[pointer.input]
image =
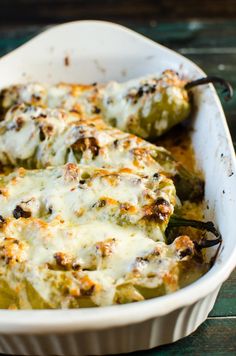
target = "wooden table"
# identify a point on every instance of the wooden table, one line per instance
(212, 45)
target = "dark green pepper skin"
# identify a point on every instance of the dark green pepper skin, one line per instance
(146, 107)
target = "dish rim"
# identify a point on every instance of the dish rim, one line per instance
(42, 321)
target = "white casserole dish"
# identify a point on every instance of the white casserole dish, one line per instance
(100, 51)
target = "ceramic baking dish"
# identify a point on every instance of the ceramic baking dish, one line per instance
(89, 51)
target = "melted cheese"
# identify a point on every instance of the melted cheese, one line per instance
(146, 106)
(80, 194)
(37, 138)
(65, 262)
(81, 99)
(75, 233)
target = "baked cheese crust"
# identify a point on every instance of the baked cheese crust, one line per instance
(83, 223)
(75, 236)
(62, 265)
(36, 137)
(147, 106)
(80, 194)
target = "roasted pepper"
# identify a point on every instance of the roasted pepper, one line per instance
(147, 107)
(34, 137)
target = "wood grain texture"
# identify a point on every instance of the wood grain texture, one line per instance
(52, 11)
(212, 45)
(225, 305)
(214, 337)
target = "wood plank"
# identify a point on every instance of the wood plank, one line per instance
(45, 11)
(12, 38)
(194, 34)
(226, 302)
(211, 45)
(214, 337)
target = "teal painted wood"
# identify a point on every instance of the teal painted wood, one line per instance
(213, 47)
(214, 337)
(226, 302)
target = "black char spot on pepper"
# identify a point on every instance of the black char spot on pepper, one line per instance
(140, 92)
(36, 97)
(2, 220)
(88, 292)
(76, 266)
(153, 89)
(141, 259)
(186, 252)
(96, 110)
(18, 212)
(115, 143)
(102, 203)
(41, 134)
(88, 143)
(99, 204)
(19, 123)
(67, 61)
(156, 175)
(158, 211)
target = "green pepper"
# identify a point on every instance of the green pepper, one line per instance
(147, 107)
(35, 137)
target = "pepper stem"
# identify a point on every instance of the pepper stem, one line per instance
(227, 91)
(176, 221)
